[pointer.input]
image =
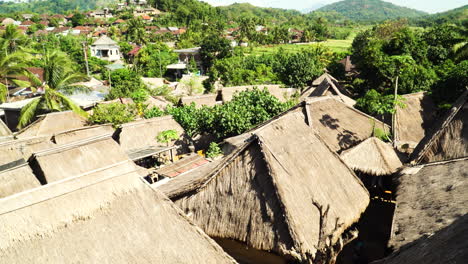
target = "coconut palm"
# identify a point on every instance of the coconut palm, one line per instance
(12, 40)
(11, 67)
(59, 78)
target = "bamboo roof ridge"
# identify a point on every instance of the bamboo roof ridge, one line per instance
(328, 86)
(143, 133)
(414, 120)
(200, 100)
(449, 137)
(49, 124)
(98, 155)
(78, 134)
(449, 245)
(114, 219)
(271, 193)
(17, 179)
(372, 156)
(429, 197)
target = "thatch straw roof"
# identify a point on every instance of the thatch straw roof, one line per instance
(271, 193)
(17, 179)
(320, 79)
(4, 130)
(449, 137)
(157, 101)
(183, 165)
(82, 133)
(283, 94)
(142, 134)
(414, 120)
(429, 198)
(22, 148)
(449, 245)
(97, 155)
(115, 219)
(372, 156)
(328, 86)
(199, 100)
(49, 124)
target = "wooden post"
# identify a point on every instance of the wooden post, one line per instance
(395, 138)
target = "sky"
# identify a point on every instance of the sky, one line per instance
(430, 6)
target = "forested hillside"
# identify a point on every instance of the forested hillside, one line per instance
(371, 10)
(458, 16)
(49, 6)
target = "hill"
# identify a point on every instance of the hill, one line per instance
(269, 14)
(47, 6)
(457, 16)
(371, 10)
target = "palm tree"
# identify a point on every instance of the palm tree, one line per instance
(136, 31)
(59, 78)
(11, 67)
(12, 39)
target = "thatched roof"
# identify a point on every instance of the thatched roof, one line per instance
(142, 134)
(271, 193)
(283, 94)
(320, 79)
(449, 137)
(49, 124)
(4, 130)
(22, 148)
(199, 100)
(17, 179)
(415, 119)
(328, 86)
(372, 156)
(82, 133)
(90, 156)
(157, 101)
(181, 166)
(449, 245)
(429, 198)
(115, 219)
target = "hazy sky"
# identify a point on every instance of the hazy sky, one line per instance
(431, 6)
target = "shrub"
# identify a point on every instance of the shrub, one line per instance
(213, 150)
(113, 113)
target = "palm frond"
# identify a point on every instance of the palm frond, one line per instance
(28, 113)
(3, 93)
(68, 104)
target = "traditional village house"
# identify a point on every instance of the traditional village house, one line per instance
(448, 138)
(348, 65)
(119, 216)
(27, 16)
(281, 197)
(328, 86)
(139, 138)
(106, 49)
(414, 120)
(185, 56)
(200, 100)
(49, 124)
(8, 21)
(27, 23)
(448, 245)
(283, 94)
(429, 198)
(82, 133)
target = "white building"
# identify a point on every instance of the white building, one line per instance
(105, 49)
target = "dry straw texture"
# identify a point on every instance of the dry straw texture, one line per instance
(283, 94)
(373, 157)
(4, 130)
(199, 100)
(143, 133)
(17, 179)
(49, 124)
(429, 198)
(23, 148)
(82, 133)
(99, 155)
(449, 137)
(415, 119)
(118, 219)
(267, 192)
(328, 86)
(449, 245)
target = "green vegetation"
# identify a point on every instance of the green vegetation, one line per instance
(51, 6)
(214, 151)
(457, 16)
(112, 113)
(370, 11)
(167, 136)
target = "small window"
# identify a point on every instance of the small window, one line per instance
(110, 52)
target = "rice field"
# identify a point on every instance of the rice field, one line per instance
(333, 44)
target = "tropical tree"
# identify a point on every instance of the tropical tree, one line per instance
(12, 39)
(11, 67)
(136, 31)
(59, 77)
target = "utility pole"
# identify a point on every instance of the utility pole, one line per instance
(85, 51)
(160, 66)
(394, 113)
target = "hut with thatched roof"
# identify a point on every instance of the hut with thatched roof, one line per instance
(199, 100)
(139, 138)
(16, 178)
(78, 134)
(373, 157)
(328, 86)
(414, 120)
(23, 148)
(282, 196)
(449, 245)
(97, 156)
(283, 94)
(117, 218)
(449, 137)
(429, 197)
(49, 124)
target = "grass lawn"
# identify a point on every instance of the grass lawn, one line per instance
(333, 44)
